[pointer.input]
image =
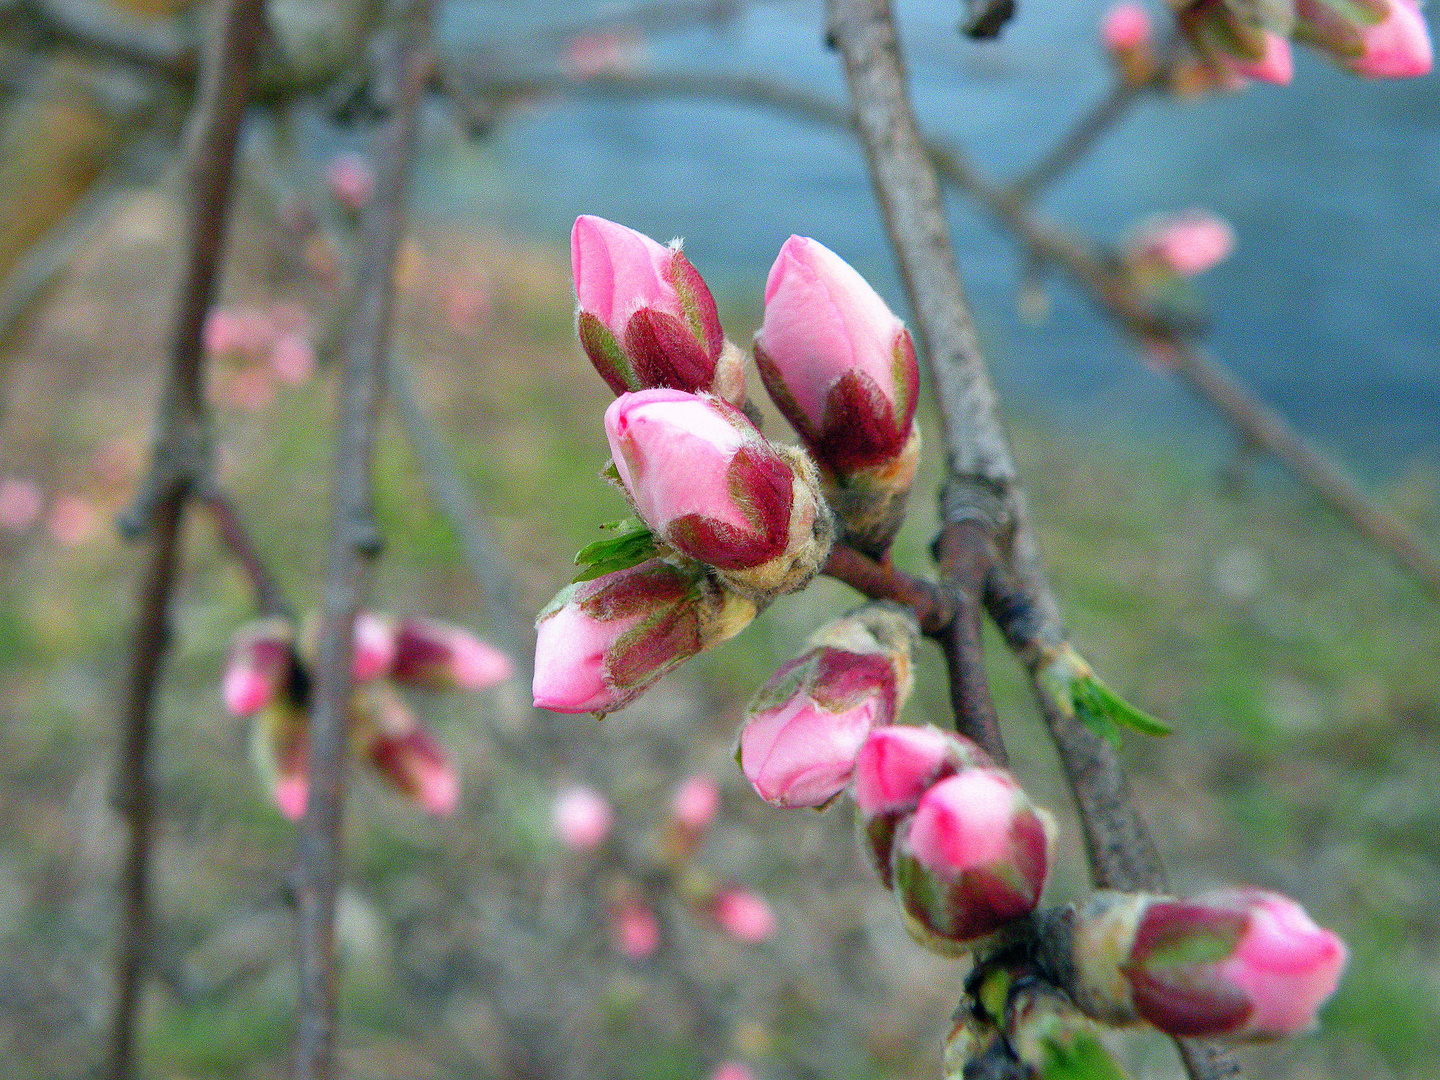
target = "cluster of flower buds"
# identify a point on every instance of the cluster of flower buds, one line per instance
(804, 728)
(266, 679)
(956, 838)
(1380, 39)
(600, 644)
(1232, 964)
(1235, 45)
(842, 368)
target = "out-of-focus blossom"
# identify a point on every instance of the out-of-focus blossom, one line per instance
(351, 180)
(20, 504)
(634, 930)
(375, 646)
(229, 331)
(732, 1070)
(72, 520)
(259, 666)
(696, 802)
(1274, 65)
(1130, 41)
(293, 358)
(404, 754)
(582, 818)
(1380, 39)
(744, 915)
(443, 656)
(1184, 244)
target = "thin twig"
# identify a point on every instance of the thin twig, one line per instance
(982, 486)
(179, 462)
(269, 599)
(354, 544)
(1079, 140)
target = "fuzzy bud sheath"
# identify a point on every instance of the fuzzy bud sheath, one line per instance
(804, 728)
(972, 857)
(600, 644)
(842, 368)
(710, 486)
(1229, 964)
(893, 769)
(646, 318)
(1379, 39)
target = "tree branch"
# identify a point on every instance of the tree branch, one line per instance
(354, 544)
(179, 462)
(981, 470)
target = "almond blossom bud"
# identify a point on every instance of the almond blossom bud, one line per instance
(389, 735)
(1381, 39)
(600, 644)
(1229, 43)
(374, 648)
(894, 768)
(1129, 39)
(696, 803)
(805, 726)
(971, 858)
(582, 818)
(442, 656)
(634, 929)
(744, 915)
(841, 367)
(1234, 964)
(705, 480)
(1183, 244)
(260, 665)
(279, 749)
(1274, 64)
(646, 318)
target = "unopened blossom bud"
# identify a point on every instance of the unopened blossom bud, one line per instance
(385, 732)
(842, 368)
(804, 728)
(1183, 244)
(646, 318)
(1231, 964)
(696, 802)
(634, 930)
(1380, 39)
(279, 749)
(1227, 42)
(744, 915)
(374, 649)
(971, 858)
(600, 644)
(893, 769)
(705, 481)
(351, 181)
(260, 664)
(442, 656)
(1129, 39)
(582, 818)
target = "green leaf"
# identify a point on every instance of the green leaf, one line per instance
(1082, 1057)
(1105, 711)
(632, 545)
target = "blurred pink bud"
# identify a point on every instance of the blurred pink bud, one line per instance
(582, 818)
(972, 857)
(234, 330)
(414, 764)
(702, 477)
(443, 656)
(291, 794)
(894, 768)
(280, 749)
(1275, 66)
(351, 181)
(374, 647)
(1233, 964)
(259, 665)
(1394, 46)
(600, 644)
(72, 520)
(836, 360)
(1187, 243)
(696, 802)
(607, 52)
(732, 1070)
(293, 358)
(20, 504)
(646, 317)
(1126, 27)
(804, 728)
(744, 915)
(634, 930)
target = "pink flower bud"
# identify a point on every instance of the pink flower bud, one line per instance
(582, 818)
(972, 857)
(414, 764)
(1274, 66)
(837, 361)
(1126, 27)
(443, 656)
(1392, 43)
(293, 358)
(236, 330)
(744, 915)
(709, 484)
(374, 648)
(260, 664)
(696, 803)
(600, 644)
(894, 768)
(351, 181)
(20, 504)
(279, 748)
(634, 930)
(1232, 964)
(732, 1070)
(1185, 244)
(646, 317)
(603, 53)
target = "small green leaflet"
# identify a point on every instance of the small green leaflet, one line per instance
(1104, 711)
(631, 545)
(1081, 1057)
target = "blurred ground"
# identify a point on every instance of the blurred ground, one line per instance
(1299, 670)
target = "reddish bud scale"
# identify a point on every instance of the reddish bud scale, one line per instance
(414, 764)
(442, 656)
